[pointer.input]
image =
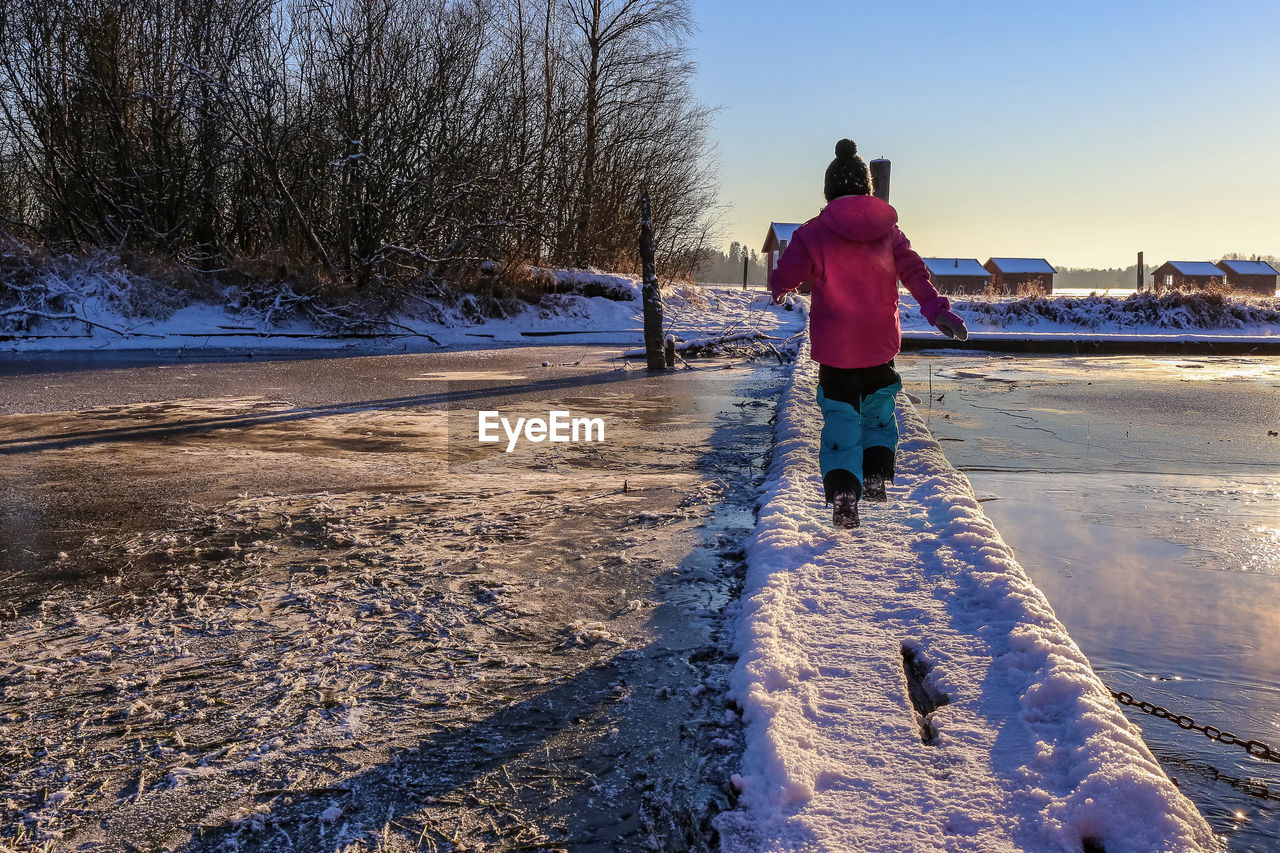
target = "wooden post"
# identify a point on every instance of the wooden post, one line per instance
(651, 299)
(1141, 273)
(880, 178)
(745, 260)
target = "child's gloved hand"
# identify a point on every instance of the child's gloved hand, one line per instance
(950, 324)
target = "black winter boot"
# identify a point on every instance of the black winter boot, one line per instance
(877, 471)
(845, 509)
(843, 491)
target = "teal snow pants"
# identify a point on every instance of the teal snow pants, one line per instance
(859, 430)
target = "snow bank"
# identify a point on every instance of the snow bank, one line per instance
(594, 282)
(1149, 314)
(95, 303)
(690, 313)
(728, 320)
(1028, 753)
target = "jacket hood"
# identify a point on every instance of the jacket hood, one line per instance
(858, 218)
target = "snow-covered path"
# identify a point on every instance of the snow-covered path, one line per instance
(847, 637)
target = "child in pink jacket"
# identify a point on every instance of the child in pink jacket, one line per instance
(854, 255)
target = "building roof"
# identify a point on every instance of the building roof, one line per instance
(1249, 267)
(1018, 266)
(779, 231)
(1199, 269)
(956, 266)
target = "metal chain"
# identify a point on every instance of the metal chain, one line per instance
(1256, 748)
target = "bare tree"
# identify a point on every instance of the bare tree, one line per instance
(622, 40)
(376, 142)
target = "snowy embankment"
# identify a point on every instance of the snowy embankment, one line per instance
(1170, 317)
(95, 303)
(906, 686)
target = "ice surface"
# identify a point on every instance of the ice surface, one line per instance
(1029, 753)
(346, 609)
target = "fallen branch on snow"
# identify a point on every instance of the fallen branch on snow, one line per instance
(413, 332)
(45, 315)
(711, 344)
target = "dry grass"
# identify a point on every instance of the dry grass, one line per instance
(1210, 308)
(1032, 289)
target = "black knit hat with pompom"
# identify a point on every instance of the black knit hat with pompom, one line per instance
(847, 174)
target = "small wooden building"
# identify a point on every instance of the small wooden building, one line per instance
(1012, 275)
(775, 242)
(1187, 274)
(1254, 276)
(957, 275)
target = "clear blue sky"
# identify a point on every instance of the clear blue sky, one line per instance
(1078, 132)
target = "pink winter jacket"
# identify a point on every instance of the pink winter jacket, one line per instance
(854, 255)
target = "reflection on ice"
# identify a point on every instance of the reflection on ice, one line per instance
(1141, 495)
(1157, 570)
(1169, 586)
(1145, 368)
(1223, 524)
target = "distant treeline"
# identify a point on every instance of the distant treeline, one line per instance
(375, 142)
(1085, 278)
(717, 267)
(1081, 278)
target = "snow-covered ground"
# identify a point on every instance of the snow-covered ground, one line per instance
(92, 304)
(906, 687)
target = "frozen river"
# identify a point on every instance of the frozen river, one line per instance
(294, 605)
(1143, 497)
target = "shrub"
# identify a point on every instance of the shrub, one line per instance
(1215, 308)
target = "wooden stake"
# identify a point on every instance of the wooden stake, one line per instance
(652, 300)
(880, 178)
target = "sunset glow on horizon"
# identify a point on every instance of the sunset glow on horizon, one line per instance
(1078, 132)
